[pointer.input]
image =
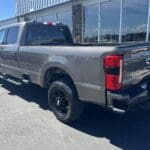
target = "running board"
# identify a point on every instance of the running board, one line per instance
(13, 81)
(26, 81)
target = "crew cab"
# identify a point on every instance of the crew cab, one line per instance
(116, 77)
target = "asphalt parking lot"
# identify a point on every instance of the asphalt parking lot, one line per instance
(27, 124)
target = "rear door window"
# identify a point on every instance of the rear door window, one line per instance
(2, 36)
(12, 35)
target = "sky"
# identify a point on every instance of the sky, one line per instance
(7, 9)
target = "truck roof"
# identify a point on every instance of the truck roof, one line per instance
(13, 24)
(23, 23)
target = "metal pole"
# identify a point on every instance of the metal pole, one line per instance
(148, 24)
(99, 23)
(120, 28)
(83, 24)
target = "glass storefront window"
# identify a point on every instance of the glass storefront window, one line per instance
(66, 18)
(110, 21)
(91, 15)
(39, 19)
(50, 18)
(134, 21)
(135, 13)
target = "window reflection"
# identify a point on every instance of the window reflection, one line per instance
(91, 24)
(39, 19)
(50, 18)
(66, 18)
(12, 35)
(135, 14)
(2, 34)
(110, 21)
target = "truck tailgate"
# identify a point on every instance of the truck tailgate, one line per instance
(136, 65)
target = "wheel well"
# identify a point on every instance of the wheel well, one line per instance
(54, 74)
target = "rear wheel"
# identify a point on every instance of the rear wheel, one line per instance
(63, 101)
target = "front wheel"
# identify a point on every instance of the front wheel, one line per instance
(63, 101)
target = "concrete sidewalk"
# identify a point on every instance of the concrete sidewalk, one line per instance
(27, 124)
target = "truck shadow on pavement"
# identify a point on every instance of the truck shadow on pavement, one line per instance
(129, 132)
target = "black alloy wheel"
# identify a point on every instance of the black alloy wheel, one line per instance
(64, 102)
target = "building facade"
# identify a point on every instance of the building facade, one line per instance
(93, 21)
(27, 6)
(8, 21)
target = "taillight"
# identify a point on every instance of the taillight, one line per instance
(113, 67)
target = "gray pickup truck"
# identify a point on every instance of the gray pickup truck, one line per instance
(116, 77)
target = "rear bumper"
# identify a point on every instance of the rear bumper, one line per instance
(124, 101)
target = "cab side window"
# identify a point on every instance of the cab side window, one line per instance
(2, 36)
(12, 35)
